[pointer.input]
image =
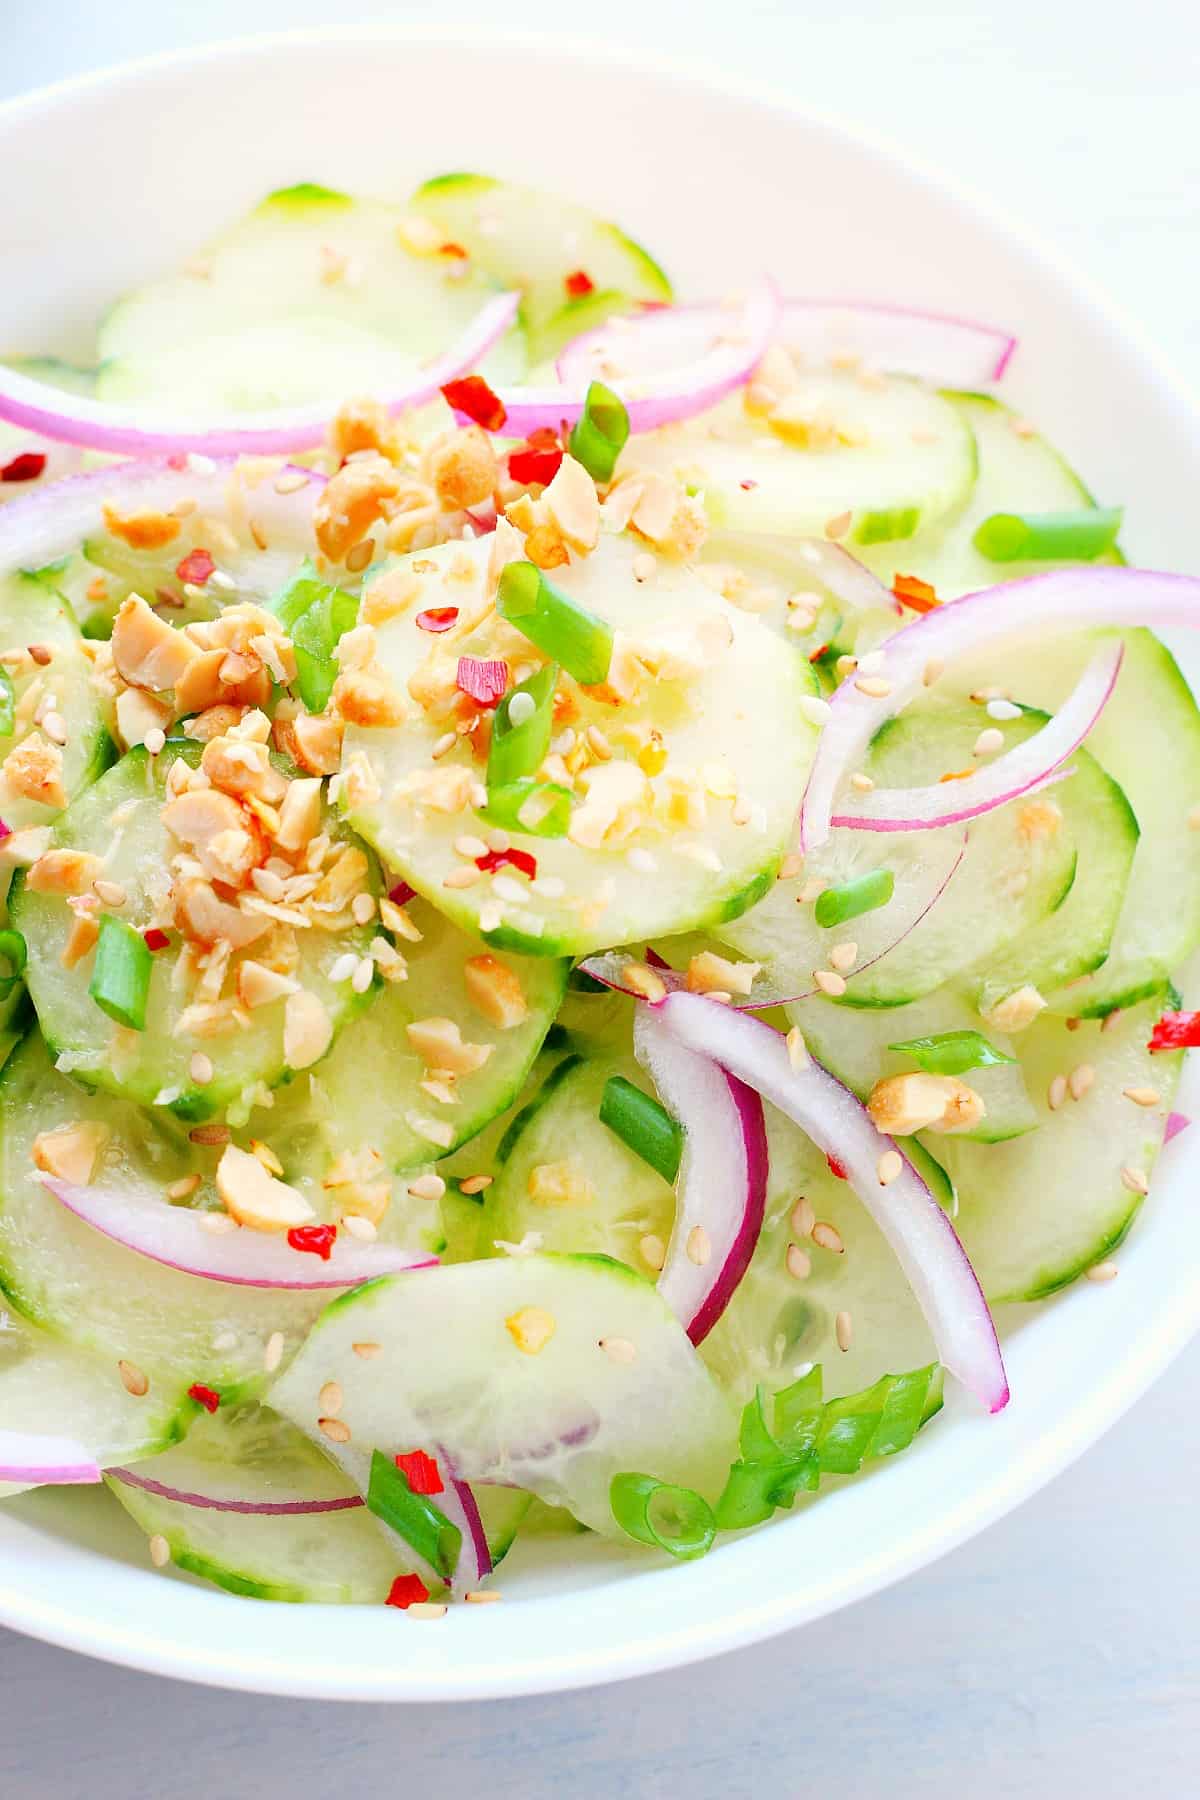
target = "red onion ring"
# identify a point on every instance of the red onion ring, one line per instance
(722, 1184)
(919, 1232)
(178, 1238)
(132, 431)
(38, 1459)
(277, 1509)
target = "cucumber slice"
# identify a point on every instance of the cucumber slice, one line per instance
(1008, 881)
(560, 1420)
(120, 820)
(525, 238)
(249, 1454)
(311, 296)
(854, 1046)
(48, 1385)
(1036, 1213)
(903, 459)
(741, 710)
(95, 1294)
(32, 613)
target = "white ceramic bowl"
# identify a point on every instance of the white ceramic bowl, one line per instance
(121, 175)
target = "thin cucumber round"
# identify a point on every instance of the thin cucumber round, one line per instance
(59, 681)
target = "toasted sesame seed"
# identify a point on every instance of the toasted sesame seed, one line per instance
(653, 1251)
(1056, 1093)
(798, 1262)
(334, 1430)
(444, 745)
(55, 727)
(110, 892)
(1002, 709)
(1072, 1024)
(844, 666)
(426, 1609)
(470, 847)
(465, 877)
(200, 1068)
(360, 1228)
(839, 525)
(331, 1397)
(1142, 1096)
(481, 1597)
(1081, 1078)
(843, 1329)
(618, 1349)
(874, 686)
(645, 567)
(475, 1184)
(989, 741)
(796, 1049)
(209, 1134)
(699, 1246)
(132, 1379)
(934, 669)
(155, 740)
(366, 1350)
(843, 957)
(803, 1217)
(889, 1167)
(41, 654)
(273, 1352)
(1135, 1180)
(160, 1550)
(828, 1237)
(342, 967)
(829, 982)
(1102, 1271)
(179, 1190)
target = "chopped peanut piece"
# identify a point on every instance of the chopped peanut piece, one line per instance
(613, 807)
(389, 595)
(22, 848)
(199, 686)
(214, 721)
(142, 531)
(360, 1183)
(560, 1184)
(902, 1104)
(307, 1030)
(573, 507)
(217, 832)
(255, 1197)
(544, 547)
(146, 651)
(200, 913)
(1038, 819)
(495, 991)
(300, 814)
(139, 713)
(81, 939)
(240, 767)
(463, 469)
(258, 985)
(1015, 1011)
(71, 1151)
(439, 1044)
(365, 1200)
(34, 770)
(708, 973)
(361, 424)
(531, 1328)
(63, 872)
(369, 700)
(351, 502)
(314, 741)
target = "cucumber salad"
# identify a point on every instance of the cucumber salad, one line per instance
(592, 890)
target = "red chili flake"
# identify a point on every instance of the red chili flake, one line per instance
(538, 463)
(206, 1397)
(156, 939)
(519, 859)
(196, 567)
(401, 894)
(821, 650)
(318, 1240)
(483, 679)
(406, 1591)
(914, 593)
(956, 775)
(437, 618)
(451, 249)
(177, 460)
(837, 1168)
(26, 467)
(472, 395)
(748, 485)
(1176, 1031)
(424, 1476)
(579, 284)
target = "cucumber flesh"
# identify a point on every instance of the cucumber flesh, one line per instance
(741, 708)
(560, 1422)
(32, 613)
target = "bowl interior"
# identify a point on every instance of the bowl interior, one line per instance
(720, 185)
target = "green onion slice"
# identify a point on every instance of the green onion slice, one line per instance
(559, 627)
(14, 953)
(639, 1121)
(1049, 537)
(598, 437)
(316, 616)
(674, 1519)
(413, 1517)
(519, 746)
(540, 808)
(120, 983)
(862, 895)
(952, 1052)
(8, 704)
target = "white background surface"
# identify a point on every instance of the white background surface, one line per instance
(1059, 1651)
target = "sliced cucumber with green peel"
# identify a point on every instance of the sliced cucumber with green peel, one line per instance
(120, 820)
(886, 460)
(1036, 1213)
(739, 715)
(533, 241)
(33, 614)
(503, 1364)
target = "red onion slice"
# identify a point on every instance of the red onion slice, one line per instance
(1036, 607)
(278, 1509)
(919, 1232)
(38, 1459)
(474, 1563)
(134, 431)
(1176, 1122)
(179, 1239)
(703, 370)
(722, 1183)
(1022, 770)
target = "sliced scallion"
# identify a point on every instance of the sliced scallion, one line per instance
(952, 1052)
(560, 628)
(853, 898)
(598, 437)
(674, 1519)
(519, 746)
(413, 1517)
(120, 983)
(1049, 537)
(639, 1121)
(540, 808)
(316, 616)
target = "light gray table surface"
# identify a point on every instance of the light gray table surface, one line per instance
(1059, 1652)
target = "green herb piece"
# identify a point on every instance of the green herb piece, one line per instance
(8, 704)
(14, 953)
(315, 615)
(560, 628)
(639, 1121)
(539, 808)
(519, 745)
(120, 983)
(1049, 537)
(952, 1052)
(866, 893)
(674, 1519)
(598, 436)
(413, 1517)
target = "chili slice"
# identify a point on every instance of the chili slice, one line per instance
(1176, 1031)
(471, 395)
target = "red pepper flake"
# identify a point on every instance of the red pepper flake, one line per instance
(579, 284)
(177, 460)
(424, 1476)
(437, 618)
(401, 894)
(914, 593)
(538, 460)
(814, 656)
(206, 1397)
(406, 1591)
(156, 939)
(482, 679)
(1176, 1031)
(955, 775)
(472, 395)
(196, 567)
(517, 859)
(837, 1168)
(26, 467)
(318, 1240)
(748, 485)
(452, 249)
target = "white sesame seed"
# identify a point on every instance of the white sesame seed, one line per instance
(843, 1330)
(828, 1237)
(798, 1262)
(427, 1187)
(645, 567)
(506, 887)
(1002, 709)
(1142, 1096)
(796, 1049)
(363, 975)
(598, 744)
(160, 1550)
(1081, 1078)
(889, 1167)
(273, 1352)
(481, 1597)
(426, 1609)
(874, 686)
(470, 847)
(179, 1190)
(1056, 1093)
(155, 740)
(331, 1397)
(464, 877)
(815, 710)
(1102, 1271)
(343, 967)
(861, 783)
(989, 741)
(359, 1228)
(812, 890)
(55, 727)
(934, 669)
(699, 1246)
(653, 1251)
(618, 1349)
(443, 746)
(1135, 1180)
(521, 709)
(829, 982)
(843, 957)
(223, 581)
(200, 1069)
(803, 1217)
(362, 908)
(110, 892)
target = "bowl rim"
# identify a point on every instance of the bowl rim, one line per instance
(1051, 1449)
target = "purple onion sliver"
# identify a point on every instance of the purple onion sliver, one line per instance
(1176, 1122)
(276, 1509)
(41, 1459)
